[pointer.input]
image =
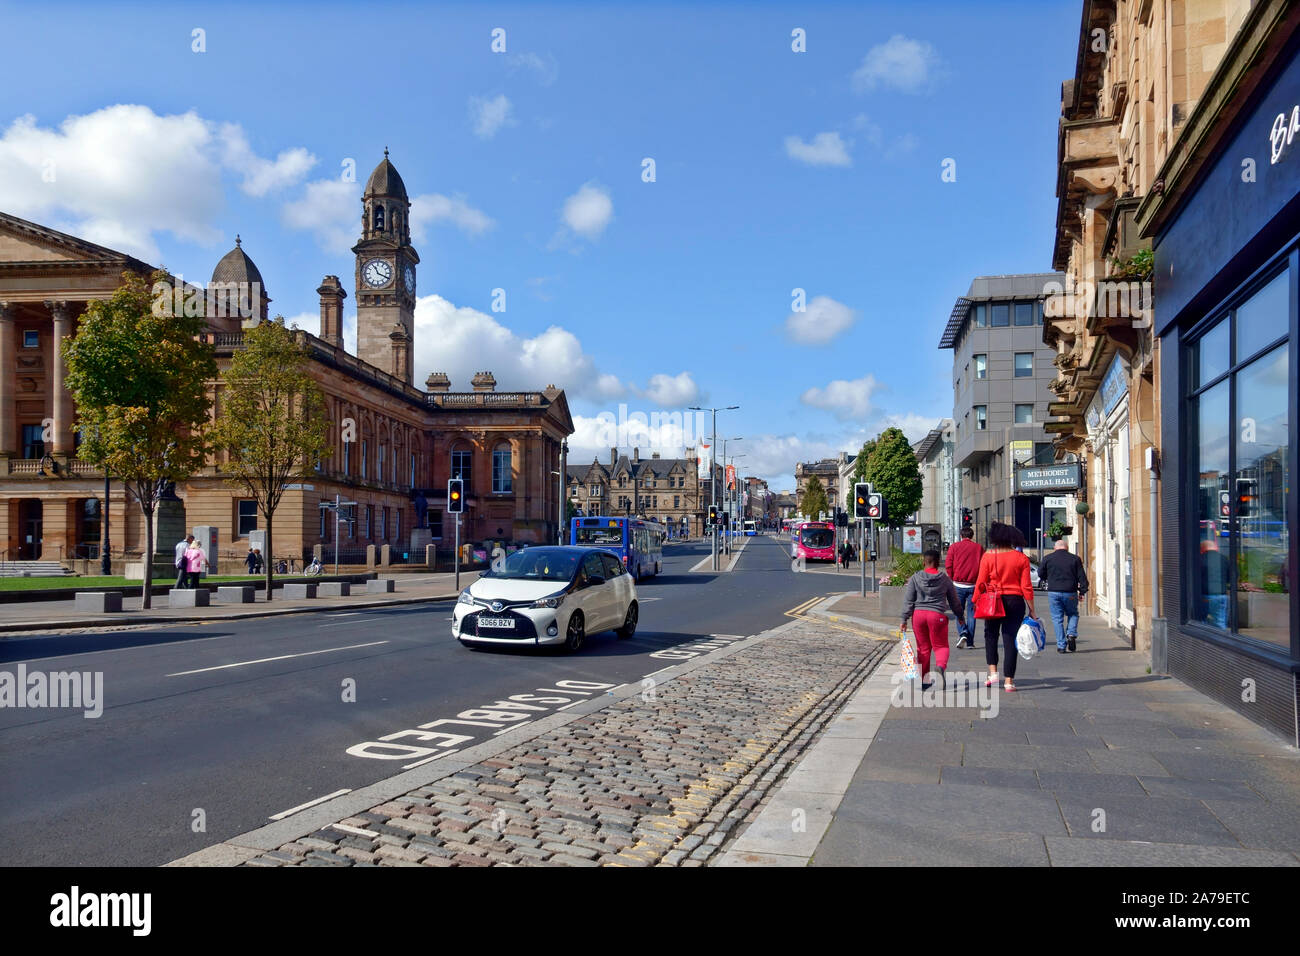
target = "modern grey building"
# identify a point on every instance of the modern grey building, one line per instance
(1000, 373)
(940, 482)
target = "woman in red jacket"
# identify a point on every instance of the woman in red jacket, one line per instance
(1006, 571)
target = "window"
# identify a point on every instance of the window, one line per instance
(461, 467)
(370, 517)
(364, 453)
(1000, 315)
(323, 523)
(247, 518)
(1241, 404)
(383, 523)
(31, 339)
(677, 501)
(595, 491)
(981, 417)
(397, 526)
(1024, 365)
(412, 469)
(1025, 414)
(33, 441)
(379, 464)
(347, 458)
(981, 315)
(981, 366)
(501, 471)
(1024, 313)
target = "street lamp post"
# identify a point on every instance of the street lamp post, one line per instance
(713, 447)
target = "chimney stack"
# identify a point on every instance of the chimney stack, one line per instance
(636, 455)
(331, 310)
(437, 382)
(613, 457)
(484, 382)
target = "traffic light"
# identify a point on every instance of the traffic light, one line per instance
(726, 521)
(967, 518)
(860, 492)
(876, 510)
(713, 516)
(1247, 498)
(455, 495)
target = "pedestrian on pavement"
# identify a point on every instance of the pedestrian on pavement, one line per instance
(181, 547)
(846, 554)
(963, 566)
(1216, 573)
(1067, 582)
(1005, 570)
(251, 561)
(195, 562)
(929, 595)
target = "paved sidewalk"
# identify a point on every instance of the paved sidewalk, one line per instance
(1092, 762)
(37, 616)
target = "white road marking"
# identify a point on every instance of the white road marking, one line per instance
(346, 614)
(445, 753)
(310, 803)
(357, 830)
(282, 657)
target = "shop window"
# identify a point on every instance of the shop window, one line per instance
(1024, 365)
(1241, 407)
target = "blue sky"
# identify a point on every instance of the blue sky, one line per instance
(775, 170)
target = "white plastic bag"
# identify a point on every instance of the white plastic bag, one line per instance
(1031, 638)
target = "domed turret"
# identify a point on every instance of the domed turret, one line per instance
(237, 282)
(385, 181)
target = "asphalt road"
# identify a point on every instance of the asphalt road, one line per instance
(186, 738)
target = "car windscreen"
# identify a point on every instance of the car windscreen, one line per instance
(538, 564)
(815, 537)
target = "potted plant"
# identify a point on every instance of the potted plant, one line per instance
(1082, 508)
(1059, 529)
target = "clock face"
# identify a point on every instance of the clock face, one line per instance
(377, 273)
(409, 276)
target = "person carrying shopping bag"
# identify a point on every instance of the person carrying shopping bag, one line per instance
(1003, 596)
(929, 595)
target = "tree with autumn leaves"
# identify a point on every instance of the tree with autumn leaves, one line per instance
(139, 377)
(271, 425)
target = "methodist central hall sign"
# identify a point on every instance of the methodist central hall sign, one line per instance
(1040, 478)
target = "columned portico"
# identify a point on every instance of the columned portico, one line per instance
(61, 398)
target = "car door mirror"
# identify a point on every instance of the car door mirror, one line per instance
(595, 580)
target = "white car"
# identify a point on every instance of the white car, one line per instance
(547, 596)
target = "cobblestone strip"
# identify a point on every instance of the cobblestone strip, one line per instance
(661, 778)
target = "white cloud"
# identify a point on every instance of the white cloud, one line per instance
(121, 175)
(307, 321)
(849, 400)
(435, 207)
(822, 319)
(588, 211)
(460, 341)
(546, 69)
(489, 115)
(826, 149)
(915, 427)
(672, 391)
(906, 65)
(262, 176)
(331, 209)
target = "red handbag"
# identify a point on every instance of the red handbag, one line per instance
(989, 602)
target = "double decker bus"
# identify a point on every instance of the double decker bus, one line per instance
(813, 541)
(638, 542)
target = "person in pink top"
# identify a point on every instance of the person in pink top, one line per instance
(195, 563)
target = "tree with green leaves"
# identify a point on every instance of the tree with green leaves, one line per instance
(893, 472)
(813, 499)
(272, 423)
(139, 377)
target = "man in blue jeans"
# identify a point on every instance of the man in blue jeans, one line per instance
(1067, 583)
(963, 567)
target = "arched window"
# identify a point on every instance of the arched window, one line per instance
(501, 470)
(379, 217)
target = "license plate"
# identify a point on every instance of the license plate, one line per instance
(496, 622)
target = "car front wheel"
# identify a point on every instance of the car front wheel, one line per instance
(575, 634)
(629, 622)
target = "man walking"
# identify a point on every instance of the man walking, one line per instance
(963, 565)
(182, 573)
(1067, 582)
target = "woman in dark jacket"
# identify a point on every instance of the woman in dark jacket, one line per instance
(929, 595)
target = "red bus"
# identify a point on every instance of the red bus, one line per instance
(814, 541)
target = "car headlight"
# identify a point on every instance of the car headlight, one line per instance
(464, 597)
(555, 600)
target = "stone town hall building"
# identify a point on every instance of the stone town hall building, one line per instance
(407, 441)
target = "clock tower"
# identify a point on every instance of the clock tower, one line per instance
(386, 263)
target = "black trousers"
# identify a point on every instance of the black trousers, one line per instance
(1007, 626)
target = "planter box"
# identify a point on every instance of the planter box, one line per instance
(334, 589)
(238, 594)
(99, 602)
(891, 602)
(1263, 609)
(299, 592)
(184, 597)
(381, 586)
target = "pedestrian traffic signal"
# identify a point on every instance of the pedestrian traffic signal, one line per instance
(860, 492)
(876, 506)
(455, 495)
(967, 518)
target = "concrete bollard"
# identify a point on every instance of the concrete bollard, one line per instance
(99, 602)
(186, 597)
(298, 592)
(334, 589)
(381, 586)
(236, 594)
